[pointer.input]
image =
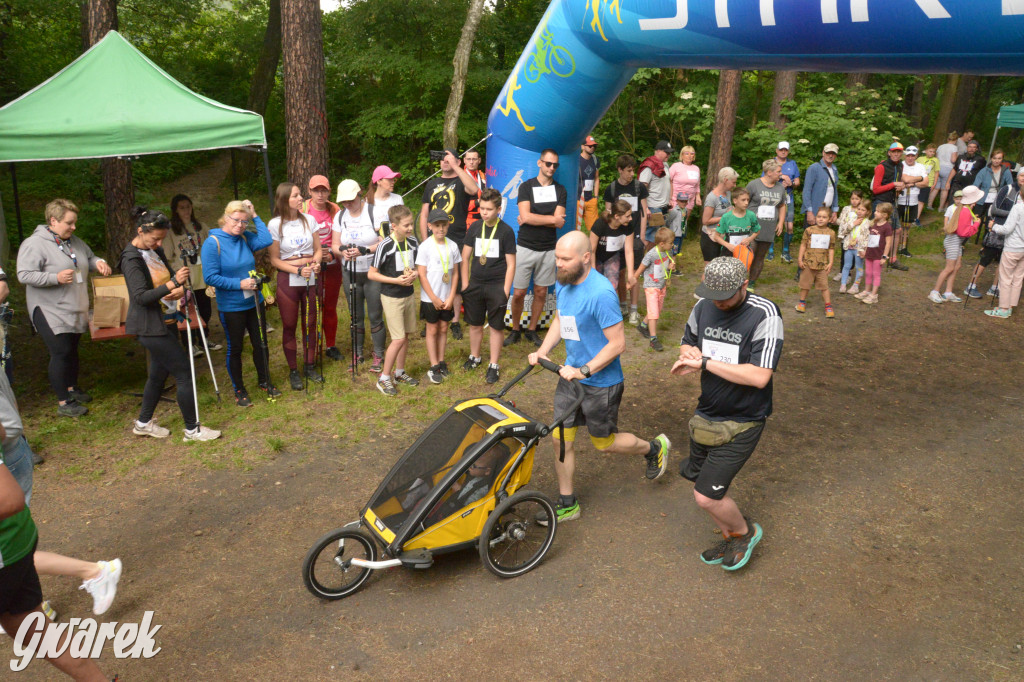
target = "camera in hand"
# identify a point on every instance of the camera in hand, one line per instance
(436, 155)
(189, 251)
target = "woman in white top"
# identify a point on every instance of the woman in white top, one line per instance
(296, 254)
(354, 240)
(381, 196)
(946, 153)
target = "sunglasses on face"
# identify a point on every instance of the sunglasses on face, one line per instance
(551, 164)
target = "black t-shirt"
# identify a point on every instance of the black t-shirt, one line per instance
(635, 189)
(604, 231)
(588, 171)
(449, 195)
(966, 171)
(748, 334)
(503, 239)
(391, 263)
(540, 237)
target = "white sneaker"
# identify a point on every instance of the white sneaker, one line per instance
(950, 296)
(151, 429)
(634, 318)
(854, 289)
(197, 351)
(214, 346)
(838, 277)
(202, 433)
(936, 297)
(104, 587)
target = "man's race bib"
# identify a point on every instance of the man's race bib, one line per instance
(567, 326)
(588, 185)
(614, 243)
(873, 240)
(491, 251)
(723, 352)
(820, 241)
(632, 201)
(735, 239)
(545, 195)
(766, 212)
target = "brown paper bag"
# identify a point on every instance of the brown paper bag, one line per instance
(656, 220)
(107, 312)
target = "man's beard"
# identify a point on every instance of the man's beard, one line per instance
(567, 276)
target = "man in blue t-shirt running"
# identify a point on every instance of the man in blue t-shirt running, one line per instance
(590, 321)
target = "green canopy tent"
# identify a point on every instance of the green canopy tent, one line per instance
(1010, 116)
(114, 102)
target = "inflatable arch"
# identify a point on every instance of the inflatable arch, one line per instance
(584, 52)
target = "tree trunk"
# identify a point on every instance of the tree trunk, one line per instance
(118, 187)
(725, 123)
(304, 98)
(785, 89)
(978, 114)
(928, 106)
(758, 94)
(461, 65)
(265, 74)
(855, 79)
(942, 119)
(963, 103)
(83, 6)
(916, 97)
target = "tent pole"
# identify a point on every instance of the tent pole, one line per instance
(266, 172)
(234, 174)
(17, 202)
(990, 149)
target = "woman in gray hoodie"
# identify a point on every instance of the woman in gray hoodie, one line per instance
(54, 266)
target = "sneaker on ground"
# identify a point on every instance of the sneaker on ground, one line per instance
(197, 351)
(870, 299)
(854, 289)
(269, 329)
(862, 295)
(634, 317)
(842, 288)
(770, 256)
(151, 429)
(471, 364)
(830, 312)
(656, 344)
(512, 338)
(272, 391)
(295, 380)
(242, 398)
(423, 333)
(899, 266)
(377, 366)
(434, 374)
(214, 346)
(333, 353)
(563, 514)
(713, 555)
(532, 336)
(386, 386)
(972, 291)
(79, 396)
(801, 307)
(1001, 313)
(658, 462)
(838, 277)
(786, 258)
(71, 408)
(103, 588)
(992, 291)
(201, 434)
(313, 375)
(406, 378)
(456, 329)
(644, 329)
(493, 374)
(950, 296)
(48, 609)
(742, 546)
(935, 297)
(443, 366)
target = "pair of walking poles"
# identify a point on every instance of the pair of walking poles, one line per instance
(189, 255)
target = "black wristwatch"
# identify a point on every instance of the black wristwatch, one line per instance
(704, 362)
(585, 371)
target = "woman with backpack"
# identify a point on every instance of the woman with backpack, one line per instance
(961, 223)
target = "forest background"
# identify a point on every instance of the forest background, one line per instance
(387, 70)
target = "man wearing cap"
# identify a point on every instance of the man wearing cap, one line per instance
(323, 211)
(590, 323)
(822, 188)
(966, 167)
(542, 203)
(590, 184)
(789, 178)
(915, 176)
(886, 183)
(654, 176)
(734, 338)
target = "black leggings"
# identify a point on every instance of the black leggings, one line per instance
(235, 324)
(166, 356)
(63, 369)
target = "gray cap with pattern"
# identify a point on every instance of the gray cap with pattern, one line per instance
(723, 277)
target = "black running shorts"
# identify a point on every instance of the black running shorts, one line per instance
(599, 411)
(431, 315)
(712, 469)
(19, 586)
(485, 301)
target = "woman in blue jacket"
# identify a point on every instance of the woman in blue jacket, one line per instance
(990, 180)
(229, 264)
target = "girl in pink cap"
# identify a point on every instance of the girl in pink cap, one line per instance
(382, 197)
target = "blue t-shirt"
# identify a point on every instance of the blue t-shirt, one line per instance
(586, 310)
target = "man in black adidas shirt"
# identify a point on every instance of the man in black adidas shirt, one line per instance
(735, 339)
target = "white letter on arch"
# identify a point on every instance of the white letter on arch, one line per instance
(668, 23)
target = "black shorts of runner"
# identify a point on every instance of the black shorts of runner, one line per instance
(908, 214)
(20, 591)
(431, 315)
(988, 255)
(712, 469)
(709, 249)
(599, 411)
(485, 301)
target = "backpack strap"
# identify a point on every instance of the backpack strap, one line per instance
(214, 238)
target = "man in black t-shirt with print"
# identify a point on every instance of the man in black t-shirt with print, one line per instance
(734, 338)
(628, 188)
(542, 204)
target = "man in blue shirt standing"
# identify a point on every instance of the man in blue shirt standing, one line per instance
(590, 322)
(790, 178)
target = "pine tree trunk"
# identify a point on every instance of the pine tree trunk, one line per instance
(855, 79)
(725, 123)
(461, 65)
(785, 89)
(979, 107)
(916, 98)
(265, 74)
(928, 105)
(963, 103)
(758, 94)
(942, 119)
(305, 102)
(118, 188)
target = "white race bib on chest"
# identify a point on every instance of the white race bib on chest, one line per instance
(491, 250)
(820, 241)
(614, 243)
(735, 239)
(544, 195)
(567, 325)
(632, 201)
(588, 185)
(723, 352)
(693, 175)
(873, 240)
(766, 212)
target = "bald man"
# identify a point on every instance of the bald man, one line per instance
(589, 321)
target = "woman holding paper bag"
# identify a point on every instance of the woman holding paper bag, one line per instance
(296, 253)
(54, 266)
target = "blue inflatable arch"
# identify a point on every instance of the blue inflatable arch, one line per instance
(585, 51)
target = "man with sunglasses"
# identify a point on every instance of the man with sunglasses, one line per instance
(542, 204)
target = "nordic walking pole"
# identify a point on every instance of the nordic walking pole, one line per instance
(350, 266)
(186, 256)
(261, 323)
(320, 328)
(191, 355)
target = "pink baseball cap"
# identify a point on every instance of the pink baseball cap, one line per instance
(381, 172)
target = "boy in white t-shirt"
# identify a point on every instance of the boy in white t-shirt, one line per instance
(437, 262)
